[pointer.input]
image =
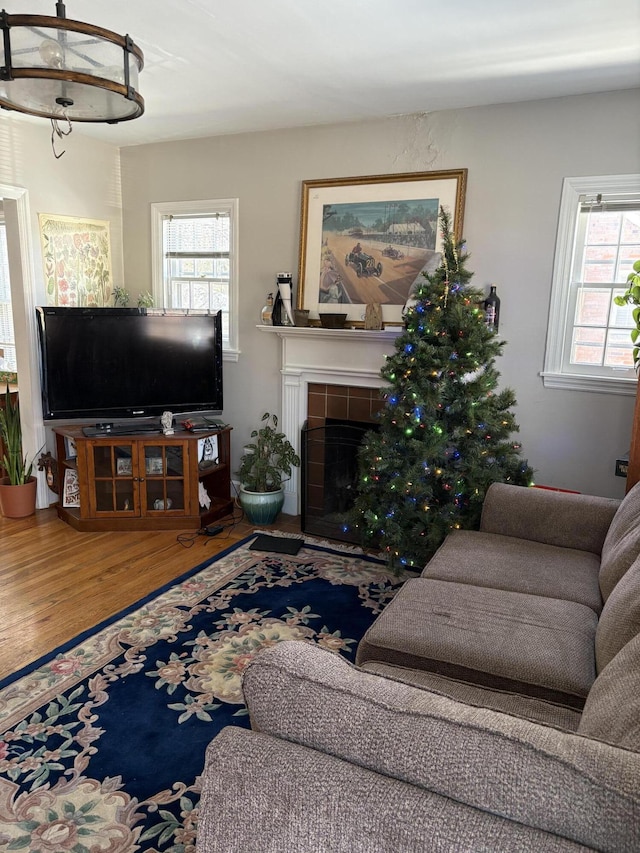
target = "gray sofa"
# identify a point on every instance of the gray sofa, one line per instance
(536, 602)
(495, 705)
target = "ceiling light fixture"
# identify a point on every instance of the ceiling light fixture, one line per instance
(66, 70)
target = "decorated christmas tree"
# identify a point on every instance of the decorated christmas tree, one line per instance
(445, 432)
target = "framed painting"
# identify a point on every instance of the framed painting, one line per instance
(77, 261)
(366, 240)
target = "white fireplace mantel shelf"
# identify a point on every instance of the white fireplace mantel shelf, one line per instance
(311, 354)
(363, 335)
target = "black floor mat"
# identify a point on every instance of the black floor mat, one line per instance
(276, 544)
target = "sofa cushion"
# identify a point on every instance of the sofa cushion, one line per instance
(518, 565)
(540, 647)
(472, 694)
(564, 519)
(622, 544)
(620, 618)
(578, 788)
(612, 710)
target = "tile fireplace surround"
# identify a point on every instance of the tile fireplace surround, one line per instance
(316, 356)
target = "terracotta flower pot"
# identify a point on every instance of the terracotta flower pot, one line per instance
(18, 501)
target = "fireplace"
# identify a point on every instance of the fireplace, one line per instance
(339, 417)
(327, 373)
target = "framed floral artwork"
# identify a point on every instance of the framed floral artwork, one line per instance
(365, 240)
(77, 260)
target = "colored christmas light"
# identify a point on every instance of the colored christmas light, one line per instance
(433, 462)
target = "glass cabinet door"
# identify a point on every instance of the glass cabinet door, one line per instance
(113, 477)
(164, 477)
(138, 478)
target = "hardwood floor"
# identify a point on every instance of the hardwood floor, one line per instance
(56, 582)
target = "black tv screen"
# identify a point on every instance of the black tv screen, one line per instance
(128, 362)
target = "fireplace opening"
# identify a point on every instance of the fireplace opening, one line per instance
(330, 475)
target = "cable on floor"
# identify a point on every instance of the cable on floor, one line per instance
(187, 540)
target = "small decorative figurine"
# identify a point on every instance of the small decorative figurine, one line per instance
(373, 316)
(47, 463)
(167, 423)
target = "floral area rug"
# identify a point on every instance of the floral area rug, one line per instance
(103, 741)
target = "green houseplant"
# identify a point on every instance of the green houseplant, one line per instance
(18, 487)
(265, 463)
(632, 297)
(121, 298)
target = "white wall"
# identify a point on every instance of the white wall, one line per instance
(84, 182)
(517, 156)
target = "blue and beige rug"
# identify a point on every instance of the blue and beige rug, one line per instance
(103, 741)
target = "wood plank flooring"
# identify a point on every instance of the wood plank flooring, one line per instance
(56, 582)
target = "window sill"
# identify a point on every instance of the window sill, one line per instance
(597, 384)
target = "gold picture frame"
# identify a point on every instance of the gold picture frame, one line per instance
(393, 219)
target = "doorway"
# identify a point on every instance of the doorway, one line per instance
(8, 365)
(17, 218)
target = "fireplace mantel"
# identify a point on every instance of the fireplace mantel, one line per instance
(352, 357)
(362, 335)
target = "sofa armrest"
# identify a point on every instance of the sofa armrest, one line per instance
(580, 789)
(261, 793)
(554, 518)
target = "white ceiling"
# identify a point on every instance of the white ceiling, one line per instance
(227, 66)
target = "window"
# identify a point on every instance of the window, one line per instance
(7, 338)
(195, 260)
(589, 343)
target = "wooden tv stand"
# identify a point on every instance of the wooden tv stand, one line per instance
(143, 482)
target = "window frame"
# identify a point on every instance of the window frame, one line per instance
(228, 206)
(560, 325)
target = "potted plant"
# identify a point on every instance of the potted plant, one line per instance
(632, 296)
(265, 463)
(18, 486)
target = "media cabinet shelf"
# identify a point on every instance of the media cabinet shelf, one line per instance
(143, 482)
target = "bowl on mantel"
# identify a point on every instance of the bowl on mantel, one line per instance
(332, 321)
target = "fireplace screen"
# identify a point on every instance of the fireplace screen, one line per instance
(329, 476)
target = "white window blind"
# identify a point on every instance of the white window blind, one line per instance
(195, 259)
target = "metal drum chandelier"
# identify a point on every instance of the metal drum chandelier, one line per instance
(62, 69)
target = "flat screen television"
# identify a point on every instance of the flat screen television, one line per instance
(103, 363)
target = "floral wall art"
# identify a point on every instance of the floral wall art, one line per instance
(77, 260)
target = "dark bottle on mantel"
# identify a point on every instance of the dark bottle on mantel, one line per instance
(492, 309)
